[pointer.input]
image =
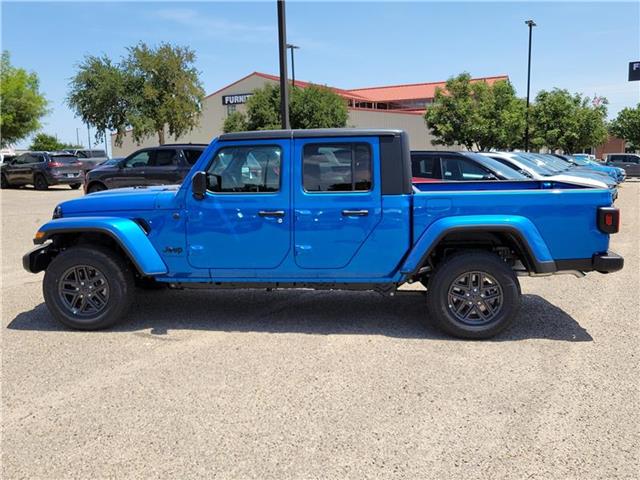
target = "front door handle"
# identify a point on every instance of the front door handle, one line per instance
(271, 213)
(355, 213)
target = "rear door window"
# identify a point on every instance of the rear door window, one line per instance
(164, 158)
(337, 167)
(192, 155)
(426, 166)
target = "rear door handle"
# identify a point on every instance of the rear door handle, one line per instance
(271, 213)
(355, 213)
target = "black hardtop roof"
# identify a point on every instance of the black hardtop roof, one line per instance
(311, 133)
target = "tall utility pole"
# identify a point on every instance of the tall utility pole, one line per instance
(89, 139)
(284, 83)
(292, 47)
(531, 24)
(77, 136)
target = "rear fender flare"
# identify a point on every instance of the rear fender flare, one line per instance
(521, 228)
(124, 231)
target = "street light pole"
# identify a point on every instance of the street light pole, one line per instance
(293, 67)
(284, 84)
(531, 24)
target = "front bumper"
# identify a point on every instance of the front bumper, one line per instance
(601, 262)
(38, 259)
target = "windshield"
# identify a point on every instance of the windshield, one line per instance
(549, 162)
(580, 160)
(538, 167)
(502, 170)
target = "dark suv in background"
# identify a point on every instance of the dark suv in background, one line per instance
(163, 165)
(630, 162)
(42, 169)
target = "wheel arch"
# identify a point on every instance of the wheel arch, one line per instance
(123, 234)
(516, 233)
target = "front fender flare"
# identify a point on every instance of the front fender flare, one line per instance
(522, 228)
(124, 231)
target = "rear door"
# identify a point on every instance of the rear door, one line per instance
(337, 200)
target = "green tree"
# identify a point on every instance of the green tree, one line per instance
(235, 122)
(103, 94)
(570, 122)
(48, 143)
(476, 114)
(314, 106)
(317, 107)
(627, 126)
(150, 90)
(45, 142)
(22, 104)
(169, 88)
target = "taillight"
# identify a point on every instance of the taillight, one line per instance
(56, 164)
(609, 219)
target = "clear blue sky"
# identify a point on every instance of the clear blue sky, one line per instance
(584, 47)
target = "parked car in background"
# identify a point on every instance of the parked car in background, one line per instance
(162, 165)
(536, 169)
(89, 158)
(434, 166)
(630, 162)
(560, 165)
(42, 169)
(583, 160)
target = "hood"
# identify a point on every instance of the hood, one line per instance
(120, 199)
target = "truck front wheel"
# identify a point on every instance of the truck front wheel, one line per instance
(473, 295)
(88, 288)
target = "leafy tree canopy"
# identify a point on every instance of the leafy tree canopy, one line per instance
(22, 104)
(48, 143)
(476, 115)
(627, 126)
(310, 107)
(569, 122)
(149, 90)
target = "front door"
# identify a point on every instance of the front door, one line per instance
(163, 168)
(337, 200)
(244, 222)
(133, 170)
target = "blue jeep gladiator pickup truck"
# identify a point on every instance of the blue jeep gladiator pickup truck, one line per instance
(325, 209)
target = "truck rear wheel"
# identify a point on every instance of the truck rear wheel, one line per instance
(88, 288)
(473, 295)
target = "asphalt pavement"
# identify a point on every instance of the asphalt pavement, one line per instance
(304, 385)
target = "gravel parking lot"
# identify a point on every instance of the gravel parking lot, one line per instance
(243, 384)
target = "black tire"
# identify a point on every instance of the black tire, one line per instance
(486, 314)
(96, 187)
(75, 186)
(4, 183)
(40, 183)
(114, 271)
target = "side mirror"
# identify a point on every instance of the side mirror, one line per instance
(199, 185)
